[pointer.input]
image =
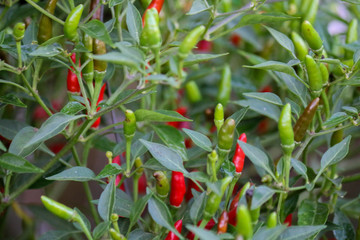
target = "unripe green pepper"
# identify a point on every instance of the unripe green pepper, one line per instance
(129, 124)
(19, 31)
(115, 235)
(324, 74)
(138, 165)
(190, 41)
(88, 70)
(219, 116)
(99, 48)
(226, 134)
(151, 36)
(310, 14)
(311, 36)
(214, 200)
(301, 48)
(351, 36)
(285, 130)
(193, 92)
(224, 86)
(272, 220)
(162, 184)
(314, 76)
(303, 123)
(59, 209)
(72, 23)
(336, 137)
(45, 24)
(244, 223)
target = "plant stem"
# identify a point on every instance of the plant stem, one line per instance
(7, 183)
(18, 48)
(325, 100)
(46, 13)
(287, 162)
(85, 229)
(231, 189)
(351, 178)
(128, 149)
(135, 188)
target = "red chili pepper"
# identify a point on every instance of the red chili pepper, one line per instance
(191, 185)
(235, 39)
(118, 177)
(232, 216)
(239, 155)
(178, 189)
(266, 88)
(55, 148)
(171, 235)
(208, 226)
(72, 80)
(39, 113)
(182, 111)
(223, 223)
(188, 143)
(96, 124)
(204, 46)
(154, 4)
(288, 220)
(263, 126)
(142, 184)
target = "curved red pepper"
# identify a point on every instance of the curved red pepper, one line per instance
(208, 226)
(171, 235)
(72, 80)
(204, 46)
(223, 223)
(154, 4)
(239, 155)
(96, 124)
(178, 189)
(142, 184)
(191, 185)
(288, 220)
(182, 111)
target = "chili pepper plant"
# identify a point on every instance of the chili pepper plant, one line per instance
(179, 119)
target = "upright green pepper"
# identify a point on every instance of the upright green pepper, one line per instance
(129, 124)
(19, 31)
(351, 36)
(301, 48)
(314, 76)
(59, 209)
(45, 24)
(303, 123)
(151, 36)
(226, 134)
(99, 48)
(324, 74)
(224, 86)
(244, 223)
(219, 116)
(311, 36)
(162, 184)
(272, 220)
(310, 14)
(190, 41)
(285, 130)
(193, 92)
(88, 70)
(72, 23)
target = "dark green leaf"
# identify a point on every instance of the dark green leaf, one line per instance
(346, 230)
(107, 201)
(172, 138)
(72, 108)
(138, 208)
(261, 107)
(12, 99)
(77, 174)
(109, 170)
(97, 29)
(261, 195)
(269, 234)
(300, 232)
(335, 154)
(202, 233)
(265, 97)
(101, 229)
(20, 140)
(312, 213)
(197, 207)
(159, 116)
(336, 119)
(198, 6)
(133, 21)
(199, 139)
(17, 164)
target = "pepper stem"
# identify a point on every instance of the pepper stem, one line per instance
(18, 48)
(231, 189)
(128, 140)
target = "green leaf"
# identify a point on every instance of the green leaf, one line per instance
(51, 127)
(336, 119)
(296, 87)
(269, 234)
(261, 107)
(123, 204)
(12, 99)
(47, 51)
(138, 208)
(199, 139)
(57, 235)
(20, 140)
(110, 170)
(97, 29)
(17, 164)
(346, 230)
(137, 148)
(72, 108)
(2, 147)
(140, 234)
(257, 157)
(119, 59)
(300, 168)
(133, 21)
(300, 232)
(239, 115)
(283, 40)
(198, 6)
(159, 116)
(197, 207)
(154, 164)
(312, 213)
(265, 97)
(172, 138)
(261, 195)
(77, 174)
(202, 233)
(101, 229)
(161, 214)
(197, 58)
(335, 154)
(113, 3)
(166, 156)
(107, 201)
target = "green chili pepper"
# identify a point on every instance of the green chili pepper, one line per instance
(244, 223)
(285, 130)
(224, 86)
(72, 22)
(45, 24)
(226, 134)
(129, 124)
(99, 48)
(19, 31)
(324, 74)
(336, 137)
(193, 92)
(301, 48)
(88, 70)
(227, 5)
(303, 123)
(115, 235)
(310, 14)
(190, 41)
(214, 200)
(59, 209)
(219, 116)
(314, 76)
(351, 36)
(162, 184)
(138, 165)
(272, 220)
(311, 36)
(151, 36)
